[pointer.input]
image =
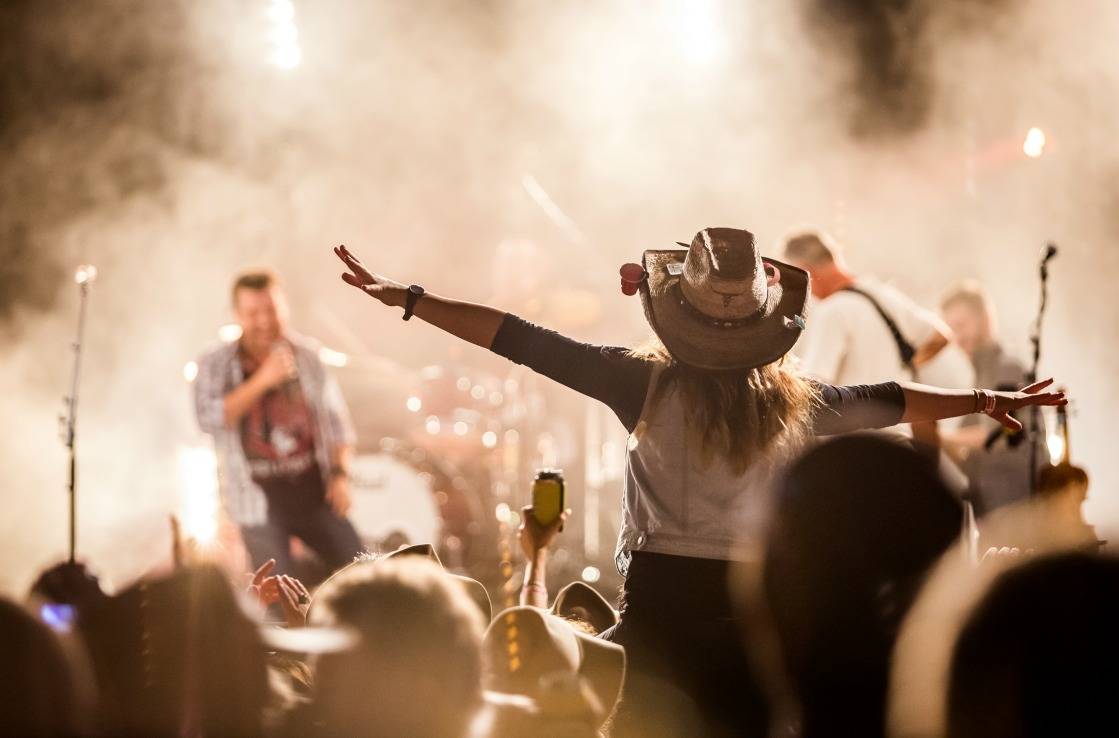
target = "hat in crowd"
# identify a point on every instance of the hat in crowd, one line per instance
(474, 588)
(720, 305)
(580, 601)
(527, 648)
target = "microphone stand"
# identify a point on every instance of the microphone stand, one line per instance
(1035, 339)
(84, 276)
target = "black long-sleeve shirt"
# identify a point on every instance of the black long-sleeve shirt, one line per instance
(613, 376)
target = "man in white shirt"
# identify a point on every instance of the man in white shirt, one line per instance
(849, 339)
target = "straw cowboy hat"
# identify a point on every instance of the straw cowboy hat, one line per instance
(525, 647)
(719, 304)
(579, 601)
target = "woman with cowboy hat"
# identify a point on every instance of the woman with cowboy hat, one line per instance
(713, 408)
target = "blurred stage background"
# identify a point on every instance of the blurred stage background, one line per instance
(513, 152)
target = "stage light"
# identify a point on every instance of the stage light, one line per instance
(591, 574)
(229, 333)
(85, 274)
(489, 439)
(432, 425)
(330, 357)
(478, 392)
(198, 494)
(463, 384)
(502, 512)
(1056, 444)
(700, 38)
(284, 35)
(414, 404)
(190, 371)
(1034, 144)
(461, 428)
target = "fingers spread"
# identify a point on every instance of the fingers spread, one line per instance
(1038, 386)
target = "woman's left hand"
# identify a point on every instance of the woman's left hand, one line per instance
(387, 291)
(1008, 402)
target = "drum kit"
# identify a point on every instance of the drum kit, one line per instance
(442, 456)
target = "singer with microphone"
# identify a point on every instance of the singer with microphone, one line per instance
(282, 432)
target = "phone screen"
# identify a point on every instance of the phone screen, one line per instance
(58, 617)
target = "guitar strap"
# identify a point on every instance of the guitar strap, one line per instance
(905, 349)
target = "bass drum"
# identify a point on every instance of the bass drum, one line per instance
(403, 495)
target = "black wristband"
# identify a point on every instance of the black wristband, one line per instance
(415, 292)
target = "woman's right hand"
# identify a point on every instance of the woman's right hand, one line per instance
(374, 285)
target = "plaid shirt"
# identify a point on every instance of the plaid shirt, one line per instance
(219, 371)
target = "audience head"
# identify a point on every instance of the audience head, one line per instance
(37, 685)
(178, 655)
(474, 589)
(417, 669)
(859, 521)
(1037, 655)
(967, 309)
(817, 254)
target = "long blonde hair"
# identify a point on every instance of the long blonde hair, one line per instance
(739, 415)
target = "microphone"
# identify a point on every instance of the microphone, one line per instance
(1049, 253)
(291, 386)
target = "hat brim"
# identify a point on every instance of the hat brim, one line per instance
(707, 343)
(580, 600)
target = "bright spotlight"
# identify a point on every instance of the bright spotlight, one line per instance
(85, 274)
(461, 428)
(414, 404)
(489, 439)
(190, 371)
(198, 494)
(1034, 144)
(502, 512)
(700, 38)
(432, 425)
(1056, 444)
(591, 574)
(284, 35)
(229, 333)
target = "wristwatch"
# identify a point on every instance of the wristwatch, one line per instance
(415, 292)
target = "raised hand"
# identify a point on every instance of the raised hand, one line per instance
(265, 588)
(294, 599)
(1007, 402)
(534, 536)
(374, 285)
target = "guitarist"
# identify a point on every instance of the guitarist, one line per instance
(863, 331)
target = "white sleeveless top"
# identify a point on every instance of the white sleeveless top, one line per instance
(674, 504)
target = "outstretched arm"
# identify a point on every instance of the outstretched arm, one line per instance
(925, 403)
(608, 374)
(477, 324)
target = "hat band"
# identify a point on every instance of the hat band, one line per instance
(678, 295)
